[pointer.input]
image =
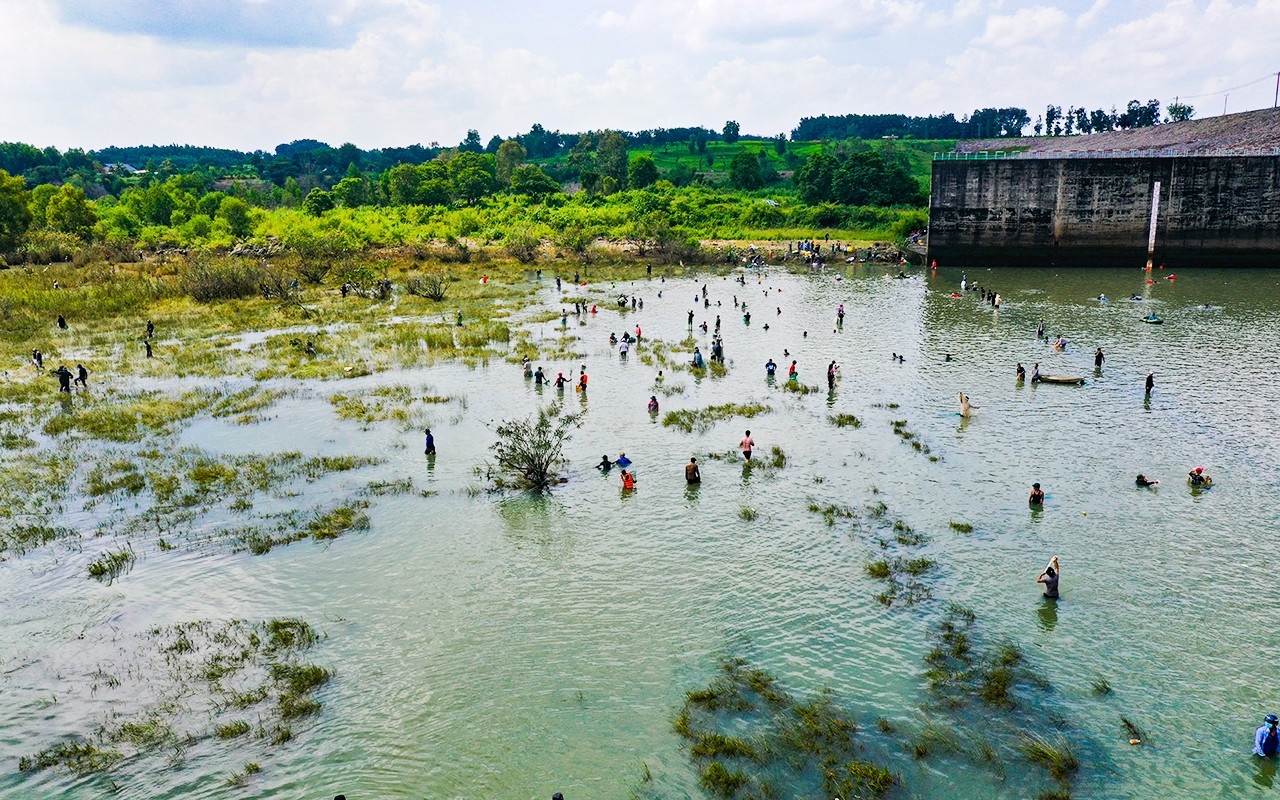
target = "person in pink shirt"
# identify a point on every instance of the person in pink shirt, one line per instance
(746, 444)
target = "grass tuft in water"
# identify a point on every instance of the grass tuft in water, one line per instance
(110, 565)
(1052, 753)
(1133, 730)
(845, 421)
(232, 729)
(721, 781)
(702, 420)
(1101, 687)
(747, 513)
(961, 527)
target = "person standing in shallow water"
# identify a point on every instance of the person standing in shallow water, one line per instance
(746, 444)
(691, 472)
(1050, 577)
(1098, 358)
(1037, 495)
(1266, 739)
(1151, 382)
(430, 443)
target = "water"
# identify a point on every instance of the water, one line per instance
(506, 646)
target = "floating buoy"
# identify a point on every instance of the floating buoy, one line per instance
(1149, 281)
(1135, 741)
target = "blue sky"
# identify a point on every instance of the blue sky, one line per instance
(253, 73)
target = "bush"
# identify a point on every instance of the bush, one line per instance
(522, 244)
(433, 285)
(208, 279)
(528, 451)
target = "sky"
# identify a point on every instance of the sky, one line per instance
(250, 74)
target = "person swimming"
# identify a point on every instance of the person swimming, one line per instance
(605, 464)
(1142, 480)
(1198, 477)
(623, 461)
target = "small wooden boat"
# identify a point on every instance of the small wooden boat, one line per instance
(1152, 319)
(1071, 380)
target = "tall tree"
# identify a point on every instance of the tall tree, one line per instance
(15, 211)
(744, 171)
(1179, 112)
(643, 171)
(510, 154)
(582, 156)
(532, 181)
(69, 212)
(813, 180)
(731, 131)
(471, 143)
(611, 157)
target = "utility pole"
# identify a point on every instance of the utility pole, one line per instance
(1224, 104)
(1276, 102)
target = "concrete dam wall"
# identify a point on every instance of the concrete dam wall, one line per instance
(1220, 211)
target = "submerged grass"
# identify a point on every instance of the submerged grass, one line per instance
(1053, 753)
(199, 678)
(742, 728)
(110, 565)
(702, 420)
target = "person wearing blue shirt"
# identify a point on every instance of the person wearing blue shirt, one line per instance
(623, 461)
(430, 443)
(770, 368)
(1266, 741)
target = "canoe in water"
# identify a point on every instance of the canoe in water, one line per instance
(1153, 320)
(1073, 380)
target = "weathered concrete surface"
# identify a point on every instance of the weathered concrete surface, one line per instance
(1213, 211)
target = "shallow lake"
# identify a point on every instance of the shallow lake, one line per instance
(507, 646)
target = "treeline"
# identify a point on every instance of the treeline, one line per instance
(1056, 122)
(982, 123)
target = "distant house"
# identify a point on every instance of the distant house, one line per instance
(125, 169)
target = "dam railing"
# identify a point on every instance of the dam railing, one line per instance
(992, 155)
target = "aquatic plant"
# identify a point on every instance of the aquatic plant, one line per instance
(109, 565)
(961, 527)
(743, 722)
(717, 745)
(1133, 730)
(199, 678)
(1101, 686)
(232, 729)
(721, 781)
(858, 779)
(747, 513)
(879, 569)
(1052, 753)
(845, 421)
(702, 420)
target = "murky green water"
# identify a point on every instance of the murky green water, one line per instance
(508, 647)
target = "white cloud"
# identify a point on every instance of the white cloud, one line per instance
(394, 72)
